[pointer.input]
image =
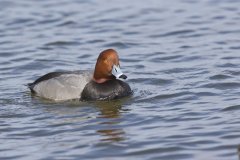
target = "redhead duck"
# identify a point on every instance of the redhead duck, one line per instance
(102, 84)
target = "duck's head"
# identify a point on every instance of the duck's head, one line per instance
(107, 67)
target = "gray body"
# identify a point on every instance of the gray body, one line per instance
(61, 86)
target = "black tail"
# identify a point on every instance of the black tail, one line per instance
(30, 86)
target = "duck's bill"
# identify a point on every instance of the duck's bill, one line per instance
(116, 71)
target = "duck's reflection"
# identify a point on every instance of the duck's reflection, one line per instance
(103, 117)
(109, 109)
(112, 135)
(110, 115)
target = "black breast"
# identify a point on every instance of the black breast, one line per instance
(112, 89)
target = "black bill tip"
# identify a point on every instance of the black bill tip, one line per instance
(123, 76)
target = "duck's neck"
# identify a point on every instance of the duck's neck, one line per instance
(101, 80)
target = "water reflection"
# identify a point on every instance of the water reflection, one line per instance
(104, 118)
(109, 109)
(110, 115)
(112, 135)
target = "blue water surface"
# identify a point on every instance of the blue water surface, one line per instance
(182, 58)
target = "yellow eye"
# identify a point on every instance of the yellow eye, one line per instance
(105, 61)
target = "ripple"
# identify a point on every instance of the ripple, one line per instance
(235, 47)
(131, 33)
(119, 45)
(61, 43)
(219, 17)
(222, 86)
(228, 65)
(12, 157)
(233, 72)
(154, 150)
(164, 96)
(152, 81)
(231, 136)
(199, 94)
(174, 33)
(219, 77)
(164, 58)
(67, 23)
(181, 70)
(229, 32)
(232, 108)
(22, 21)
(38, 133)
(223, 147)
(95, 41)
(230, 58)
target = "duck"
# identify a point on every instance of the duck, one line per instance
(106, 82)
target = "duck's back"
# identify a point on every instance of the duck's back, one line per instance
(61, 85)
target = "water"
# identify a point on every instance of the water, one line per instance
(182, 59)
